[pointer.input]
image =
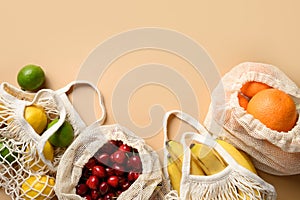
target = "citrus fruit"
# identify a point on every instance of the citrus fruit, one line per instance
(31, 77)
(274, 108)
(48, 152)
(5, 153)
(251, 88)
(38, 187)
(36, 117)
(243, 101)
(64, 136)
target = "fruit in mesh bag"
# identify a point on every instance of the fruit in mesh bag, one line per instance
(36, 164)
(248, 90)
(6, 154)
(274, 108)
(111, 171)
(38, 187)
(31, 77)
(64, 136)
(36, 117)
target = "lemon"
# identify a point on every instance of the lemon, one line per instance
(48, 152)
(31, 77)
(38, 187)
(36, 117)
(64, 136)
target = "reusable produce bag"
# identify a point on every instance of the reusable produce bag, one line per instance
(88, 143)
(230, 183)
(185, 118)
(272, 151)
(24, 170)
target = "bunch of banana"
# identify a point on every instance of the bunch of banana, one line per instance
(204, 161)
(175, 158)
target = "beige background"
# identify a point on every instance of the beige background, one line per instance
(59, 35)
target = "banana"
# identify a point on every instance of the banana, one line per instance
(176, 152)
(209, 160)
(239, 156)
(174, 174)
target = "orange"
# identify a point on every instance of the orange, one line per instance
(274, 108)
(243, 101)
(251, 88)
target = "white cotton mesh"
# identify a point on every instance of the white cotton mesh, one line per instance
(22, 160)
(272, 151)
(147, 186)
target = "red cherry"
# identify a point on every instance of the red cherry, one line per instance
(134, 150)
(119, 192)
(109, 171)
(132, 176)
(81, 189)
(119, 170)
(99, 171)
(113, 181)
(135, 163)
(91, 163)
(92, 182)
(103, 188)
(118, 157)
(119, 143)
(109, 196)
(100, 198)
(88, 197)
(94, 194)
(125, 148)
(125, 185)
(103, 158)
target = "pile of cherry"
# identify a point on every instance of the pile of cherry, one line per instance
(111, 171)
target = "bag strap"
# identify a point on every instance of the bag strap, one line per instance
(206, 140)
(67, 88)
(186, 118)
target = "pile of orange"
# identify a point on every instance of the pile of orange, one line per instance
(272, 107)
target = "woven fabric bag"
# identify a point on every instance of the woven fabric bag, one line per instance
(274, 152)
(230, 183)
(25, 173)
(88, 143)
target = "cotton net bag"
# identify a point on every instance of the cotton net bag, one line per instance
(87, 145)
(274, 152)
(25, 172)
(234, 182)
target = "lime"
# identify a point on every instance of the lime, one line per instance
(64, 136)
(48, 152)
(31, 77)
(36, 117)
(5, 153)
(38, 187)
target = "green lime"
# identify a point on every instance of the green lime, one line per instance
(5, 153)
(31, 77)
(64, 136)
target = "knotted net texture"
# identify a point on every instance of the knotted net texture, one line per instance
(23, 174)
(272, 151)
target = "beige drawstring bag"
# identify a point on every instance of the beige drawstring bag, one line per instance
(230, 183)
(88, 143)
(25, 173)
(272, 151)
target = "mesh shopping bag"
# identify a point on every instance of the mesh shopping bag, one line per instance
(89, 144)
(234, 182)
(25, 171)
(272, 151)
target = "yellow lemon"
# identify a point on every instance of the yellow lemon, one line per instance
(48, 152)
(38, 187)
(36, 117)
